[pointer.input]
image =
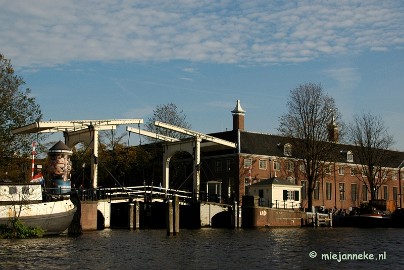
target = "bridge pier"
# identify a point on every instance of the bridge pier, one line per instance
(173, 216)
(88, 218)
(134, 215)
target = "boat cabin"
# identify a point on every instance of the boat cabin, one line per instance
(16, 193)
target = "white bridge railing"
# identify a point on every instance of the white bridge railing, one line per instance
(146, 193)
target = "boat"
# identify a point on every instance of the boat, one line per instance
(31, 205)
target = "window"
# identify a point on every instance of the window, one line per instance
(302, 168)
(25, 190)
(291, 179)
(341, 191)
(327, 169)
(364, 193)
(395, 193)
(328, 187)
(290, 166)
(287, 150)
(277, 166)
(317, 191)
(341, 170)
(394, 175)
(12, 190)
(354, 192)
(304, 189)
(349, 156)
(218, 166)
(353, 171)
(290, 195)
(385, 192)
(247, 163)
(263, 164)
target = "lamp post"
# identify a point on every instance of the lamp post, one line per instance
(399, 180)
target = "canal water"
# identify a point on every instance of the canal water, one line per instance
(265, 248)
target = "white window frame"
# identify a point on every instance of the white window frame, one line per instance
(341, 170)
(287, 150)
(349, 156)
(247, 163)
(290, 166)
(263, 164)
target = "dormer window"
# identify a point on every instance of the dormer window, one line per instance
(349, 156)
(287, 150)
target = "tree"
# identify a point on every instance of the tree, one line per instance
(170, 114)
(310, 118)
(372, 140)
(17, 108)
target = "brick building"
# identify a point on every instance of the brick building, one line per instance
(262, 156)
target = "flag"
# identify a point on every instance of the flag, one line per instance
(38, 178)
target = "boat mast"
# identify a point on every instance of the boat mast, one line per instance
(33, 160)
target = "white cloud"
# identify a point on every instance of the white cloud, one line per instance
(53, 32)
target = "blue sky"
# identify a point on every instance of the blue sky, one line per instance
(120, 59)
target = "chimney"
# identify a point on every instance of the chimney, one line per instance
(238, 117)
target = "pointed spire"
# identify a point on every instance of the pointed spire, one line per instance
(238, 109)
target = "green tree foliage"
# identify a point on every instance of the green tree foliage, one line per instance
(307, 124)
(17, 108)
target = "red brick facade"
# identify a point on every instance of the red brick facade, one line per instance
(262, 156)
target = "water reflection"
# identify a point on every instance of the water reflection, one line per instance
(266, 248)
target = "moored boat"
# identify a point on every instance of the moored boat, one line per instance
(28, 204)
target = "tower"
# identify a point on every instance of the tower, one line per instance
(238, 117)
(333, 131)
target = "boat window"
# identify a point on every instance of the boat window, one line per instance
(25, 190)
(12, 190)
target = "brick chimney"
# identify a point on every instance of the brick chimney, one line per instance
(238, 117)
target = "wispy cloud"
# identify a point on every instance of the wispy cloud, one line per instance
(245, 32)
(347, 78)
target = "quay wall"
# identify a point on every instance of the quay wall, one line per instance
(254, 215)
(270, 217)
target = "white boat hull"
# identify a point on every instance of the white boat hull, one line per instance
(53, 217)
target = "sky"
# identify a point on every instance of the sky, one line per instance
(120, 59)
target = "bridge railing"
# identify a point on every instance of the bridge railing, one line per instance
(146, 193)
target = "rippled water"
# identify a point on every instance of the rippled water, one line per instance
(267, 248)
